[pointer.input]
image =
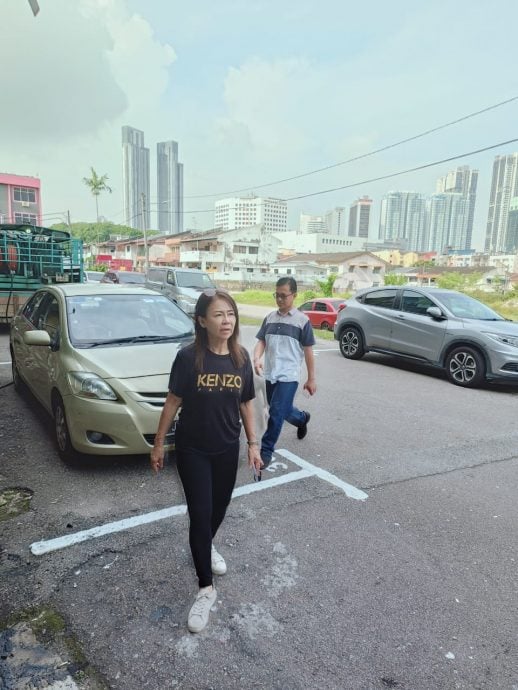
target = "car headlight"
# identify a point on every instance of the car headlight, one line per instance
(505, 339)
(88, 385)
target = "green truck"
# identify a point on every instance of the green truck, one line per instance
(32, 256)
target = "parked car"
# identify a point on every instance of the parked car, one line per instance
(98, 358)
(124, 278)
(322, 311)
(182, 285)
(93, 276)
(445, 328)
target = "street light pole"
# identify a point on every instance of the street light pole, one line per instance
(146, 249)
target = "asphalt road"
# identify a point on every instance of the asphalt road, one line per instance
(413, 588)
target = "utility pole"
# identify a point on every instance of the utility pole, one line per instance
(146, 249)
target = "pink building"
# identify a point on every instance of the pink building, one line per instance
(20, 199)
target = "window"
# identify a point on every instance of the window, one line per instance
(253, 250)
(239, 249)
(49, 317)
(415, 303)
(381, 298)
(30, 309)
(24, 194)
(29, 218)
(320, 306)
(307, 306)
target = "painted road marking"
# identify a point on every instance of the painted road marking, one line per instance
(39, 548)
(348, 489)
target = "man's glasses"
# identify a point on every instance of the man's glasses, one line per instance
(280, 295)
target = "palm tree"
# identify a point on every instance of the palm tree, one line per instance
(97, 185)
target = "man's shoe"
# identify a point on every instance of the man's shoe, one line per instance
(219, 567)
(303, 430)
(266, 461)
(200, 610)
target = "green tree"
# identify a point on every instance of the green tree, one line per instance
(100, 232)
(326, 286)
(395, 279)
(451, 281)
(97, 184)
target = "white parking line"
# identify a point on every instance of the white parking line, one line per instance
(39, 548)
(348, 489)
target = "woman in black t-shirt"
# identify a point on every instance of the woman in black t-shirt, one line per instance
(212, 382)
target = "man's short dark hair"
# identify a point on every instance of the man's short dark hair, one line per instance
(289, 281)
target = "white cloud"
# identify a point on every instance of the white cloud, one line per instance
(86, 68)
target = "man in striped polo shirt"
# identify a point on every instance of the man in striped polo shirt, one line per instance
(286, 339)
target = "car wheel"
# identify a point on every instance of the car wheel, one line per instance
(325, 326)
(351, 343)
(64, 445)
(465, 366)
(19, 385)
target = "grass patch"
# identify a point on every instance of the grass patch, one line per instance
(323, 335)
(263, 298)
(14, 502)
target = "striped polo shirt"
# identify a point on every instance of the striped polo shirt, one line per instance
(286, 336)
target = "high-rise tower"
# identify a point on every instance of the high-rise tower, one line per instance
(403, 218)
(135, 179)
(462, 181)
(504, 187)
(359, 217)
(169, 188)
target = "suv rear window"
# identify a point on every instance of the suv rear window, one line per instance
(380, 298)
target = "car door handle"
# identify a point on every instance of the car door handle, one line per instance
(400, 316)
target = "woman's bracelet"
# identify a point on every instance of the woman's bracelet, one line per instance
(253, 443)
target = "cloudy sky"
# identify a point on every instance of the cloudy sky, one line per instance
(254, 91)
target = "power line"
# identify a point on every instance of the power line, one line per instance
(361, 156)
(374, 179)
(404, 172)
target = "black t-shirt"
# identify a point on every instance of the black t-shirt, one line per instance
(209, 419)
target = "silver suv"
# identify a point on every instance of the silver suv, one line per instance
(447, 329)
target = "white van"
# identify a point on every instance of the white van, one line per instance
(181, 285)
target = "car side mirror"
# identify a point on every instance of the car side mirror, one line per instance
(37, 338)
(435, 313)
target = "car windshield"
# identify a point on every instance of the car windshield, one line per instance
(194, 280)
(104, 320)
(131, 277)
(465, 307)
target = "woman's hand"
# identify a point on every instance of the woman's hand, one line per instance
(157, 458)
(254, 459)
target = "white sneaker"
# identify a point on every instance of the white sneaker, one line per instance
(217, 562)
(199, 613)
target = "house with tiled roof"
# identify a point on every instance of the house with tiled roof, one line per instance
(354, 270)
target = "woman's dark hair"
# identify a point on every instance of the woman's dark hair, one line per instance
(201, 341)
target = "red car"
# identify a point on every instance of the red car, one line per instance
(322, 311)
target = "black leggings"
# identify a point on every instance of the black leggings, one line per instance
(208, 481)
